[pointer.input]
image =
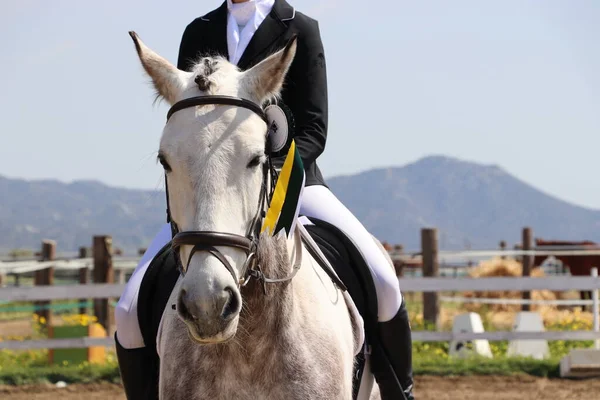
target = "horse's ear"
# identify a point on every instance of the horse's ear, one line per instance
(168, 81)
(266, 78)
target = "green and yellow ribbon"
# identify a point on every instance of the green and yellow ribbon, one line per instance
(285, 203)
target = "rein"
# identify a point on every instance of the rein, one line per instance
(209, 240)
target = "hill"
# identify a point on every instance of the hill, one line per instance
(472, 205)
(72, 213)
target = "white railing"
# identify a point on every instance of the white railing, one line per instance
(98, 291)
(129, 263)
(459, 255)
(23, 267)
(516, 302)
(36, 293)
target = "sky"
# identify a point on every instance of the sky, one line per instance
(514, 83)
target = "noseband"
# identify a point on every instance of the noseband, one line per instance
(209, 240)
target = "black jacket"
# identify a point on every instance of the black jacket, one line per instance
(305, 88)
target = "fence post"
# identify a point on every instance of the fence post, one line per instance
(429, 248)
(103, 273)
(527, 263)
(84, 279)
(596, 308)
(398, 250)
(45, 277)
(517, 247)
(121, 276)
(502, 248)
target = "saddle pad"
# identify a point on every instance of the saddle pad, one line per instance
(347, 262)
(350, 266)
(155, 290)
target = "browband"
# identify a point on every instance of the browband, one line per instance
(217, 99)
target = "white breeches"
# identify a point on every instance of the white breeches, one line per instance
(318, 202)
(126, 320)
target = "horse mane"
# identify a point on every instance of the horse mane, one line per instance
(274, 262)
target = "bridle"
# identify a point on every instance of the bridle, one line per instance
(208, 240)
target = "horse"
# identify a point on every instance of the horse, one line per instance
(252, 315)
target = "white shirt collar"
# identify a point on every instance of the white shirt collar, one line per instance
(242, 12)
(248, 16)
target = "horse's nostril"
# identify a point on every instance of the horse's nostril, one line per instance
(231, 305)
(182, 308)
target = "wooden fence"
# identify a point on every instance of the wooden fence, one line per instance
(101, 266)
(423, 285)
(430, 285)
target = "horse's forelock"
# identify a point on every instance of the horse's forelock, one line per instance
(213, 74)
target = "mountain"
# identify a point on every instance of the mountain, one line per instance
(472, 205)
(72, 213)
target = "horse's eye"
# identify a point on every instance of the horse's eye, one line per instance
(163, 162)
(255, 162)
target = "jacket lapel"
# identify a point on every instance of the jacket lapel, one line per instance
(216, 33)
(267, 33)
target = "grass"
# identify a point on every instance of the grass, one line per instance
(503, 366)
(429, 358)
(423, 364)
(84, 373)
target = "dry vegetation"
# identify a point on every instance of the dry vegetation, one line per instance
(502, 315)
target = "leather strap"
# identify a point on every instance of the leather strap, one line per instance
(209, 238)
(217, 99)
(215, 252)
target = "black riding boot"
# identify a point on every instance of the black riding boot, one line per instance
(139, 372)
(395, 350)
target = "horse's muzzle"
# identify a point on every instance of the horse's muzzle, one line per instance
(209, 317)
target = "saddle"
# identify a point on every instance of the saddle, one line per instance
(346, 260)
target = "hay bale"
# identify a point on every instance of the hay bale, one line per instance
(501, 267)
(498, 267)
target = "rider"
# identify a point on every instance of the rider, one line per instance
(248, 31)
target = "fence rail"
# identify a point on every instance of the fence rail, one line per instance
(99, 291)
(73, 343)
(466, 254)
(62, 292)
(23, 267)
(430, 285)
(517, 302)
(129, 263)
(426, 336)
(418, 336)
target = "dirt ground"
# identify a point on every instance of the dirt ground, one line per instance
(426, 388)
